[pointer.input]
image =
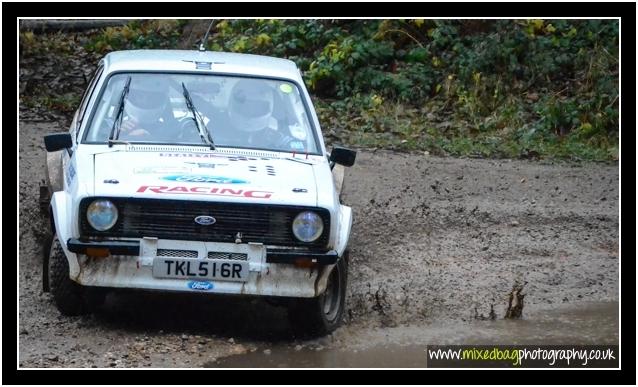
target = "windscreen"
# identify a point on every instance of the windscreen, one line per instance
(190, 109)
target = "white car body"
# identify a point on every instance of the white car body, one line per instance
(142, 171)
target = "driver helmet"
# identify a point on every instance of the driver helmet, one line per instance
(147, 98)
(251, 105)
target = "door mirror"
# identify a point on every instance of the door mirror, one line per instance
(57, 141)
(343, 156)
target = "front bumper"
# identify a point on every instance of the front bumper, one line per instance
(114, 247)
(129, 264)
(133, 248)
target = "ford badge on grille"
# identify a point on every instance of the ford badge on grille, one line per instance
(205, 220)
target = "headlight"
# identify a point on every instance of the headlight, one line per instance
(307, 226)
(101, 214)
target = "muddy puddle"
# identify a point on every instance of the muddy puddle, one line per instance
(404, 347)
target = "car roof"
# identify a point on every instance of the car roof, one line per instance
(187, 60)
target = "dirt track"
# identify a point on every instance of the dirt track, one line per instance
(435, 242)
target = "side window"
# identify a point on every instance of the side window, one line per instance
(87, 97)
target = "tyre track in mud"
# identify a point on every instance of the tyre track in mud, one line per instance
(433, 240)
(443, 238)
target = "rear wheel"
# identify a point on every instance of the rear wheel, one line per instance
(67, 294)
(321, 315)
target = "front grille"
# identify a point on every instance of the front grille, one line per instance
(175, 219)
(177, 253)
(235, 256)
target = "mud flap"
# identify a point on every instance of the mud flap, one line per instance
(322, 279)
(45, 198)
(54, 179)
(45, 263)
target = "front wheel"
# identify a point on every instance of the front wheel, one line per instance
(322, 315)
(67, 294)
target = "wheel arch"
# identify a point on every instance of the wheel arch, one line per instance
(345, 225)
(61, 226)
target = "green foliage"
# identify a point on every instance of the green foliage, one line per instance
(66, 103)
(32, 45)
(495, 88)
(139, 34)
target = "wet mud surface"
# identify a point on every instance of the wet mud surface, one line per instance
(405, 346)
(436, 242)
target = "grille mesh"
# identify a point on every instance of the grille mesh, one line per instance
(235, 256)
(175, 219)
(177, 253)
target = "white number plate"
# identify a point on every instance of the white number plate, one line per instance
(204, 269)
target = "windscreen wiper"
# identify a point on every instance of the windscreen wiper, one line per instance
(120, 110)
(197, 117)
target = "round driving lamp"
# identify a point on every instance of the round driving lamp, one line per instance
(101, 214)
(307, 226)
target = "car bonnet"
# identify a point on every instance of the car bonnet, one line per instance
(205, 176)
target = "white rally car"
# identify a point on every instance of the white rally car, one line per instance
(206, 172)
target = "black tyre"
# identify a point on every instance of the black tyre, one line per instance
(321, 315)
(94, 297)
(67, 294)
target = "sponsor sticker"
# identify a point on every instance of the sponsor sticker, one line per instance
(204, 179)
(70, 174)
(159, 170)
(194, 155)
(207, 165)
(200, 285)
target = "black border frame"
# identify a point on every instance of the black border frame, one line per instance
(625, 11)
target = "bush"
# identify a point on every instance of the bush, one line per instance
(498, 88)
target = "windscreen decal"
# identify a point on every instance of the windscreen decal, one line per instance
(285, 88)
(204, 179)
(298, 145)
(214, 191)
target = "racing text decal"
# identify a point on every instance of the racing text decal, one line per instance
(206, 191)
